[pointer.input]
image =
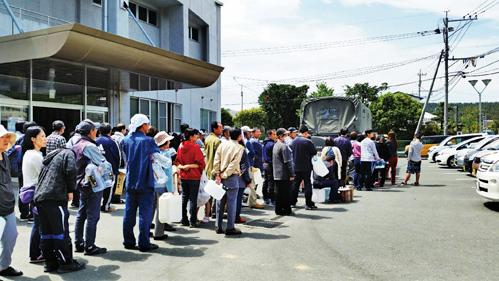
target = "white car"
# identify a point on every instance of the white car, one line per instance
(487, 177)
(447, 156)
(434, 150)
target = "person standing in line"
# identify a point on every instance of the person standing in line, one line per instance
(257, 163)
(118, 136)
(191, 165)
(330, 146)
(243, 182)
(111, 152)
(392, 163)
(356, 150)
(351, 160)
(56, 140)
(55, 188)
(303, 151)
(89, 210)
(282, 164)
(7, 205)
(252, 155)
(211, 144)
(34, 140)
(225, 134)
(268, 177)
(368, 154)
(345, 146)
(25, 209)
(384, 153)
(72, 141)
(139, 184)
(414, 160)
(291, 136)
(227, 170)
(19, 129)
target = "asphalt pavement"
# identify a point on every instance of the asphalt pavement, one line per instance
(440, 230)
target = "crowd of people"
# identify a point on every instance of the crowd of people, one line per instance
(54, 171)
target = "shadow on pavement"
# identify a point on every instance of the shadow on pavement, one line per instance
(493, 206)
(336, 210)
(388, 190)
(187, 241)
(258, 235)
(185, 230)
(181, 252)
(125, 256)
(310, 216)
(432, 185)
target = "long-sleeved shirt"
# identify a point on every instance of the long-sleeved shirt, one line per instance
(345, 147)
(268, 146)
(73, 140)
(303, 151)
(138, 149)
(368, 152)
(7, 197)
(55, 141)
(190, 153)
(118, 138)
(415, 151)
(356, 149)
(32, 165)
(227, 159)
(282, 161)
(258, 147)
(251, 152)
(210, 147)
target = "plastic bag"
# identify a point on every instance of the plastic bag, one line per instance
(161, 160)
(106, 171)
(160, 177)
(94, 178)
(203, 197)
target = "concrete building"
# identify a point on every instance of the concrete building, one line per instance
(90, 59)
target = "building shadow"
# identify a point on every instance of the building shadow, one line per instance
(493, 206)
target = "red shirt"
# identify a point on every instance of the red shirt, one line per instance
(190, 153)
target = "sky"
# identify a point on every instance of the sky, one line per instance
(344, 42)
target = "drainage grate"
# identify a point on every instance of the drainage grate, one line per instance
(263, 223)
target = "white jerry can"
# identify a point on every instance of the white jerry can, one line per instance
(170, 207)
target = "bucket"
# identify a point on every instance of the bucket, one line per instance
(214, 189)
(318, 195)
(170, 208)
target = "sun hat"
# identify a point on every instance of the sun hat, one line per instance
(162, 137)
(4, 132)
(137, 121)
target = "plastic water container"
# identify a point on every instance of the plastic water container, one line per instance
(3, 222)
(94, 178)
(318, 195)
(106, 170)
(319, 167)
(215, 190)
(170, 208)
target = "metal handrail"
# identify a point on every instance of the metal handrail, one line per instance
(27, 14)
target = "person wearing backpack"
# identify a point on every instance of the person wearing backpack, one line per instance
(7, 205)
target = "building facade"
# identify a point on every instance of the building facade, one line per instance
(72, 90)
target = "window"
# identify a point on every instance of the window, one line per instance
(98, 2)
(153, 109)
(144, 83)
(177, 117)
(194, 33)
(207, 116)
(134, 81)
(143, 13)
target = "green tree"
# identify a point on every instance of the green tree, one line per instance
(470, 119)
(431, 129)
(439, 112)
(495, 126)
(253, 117)
(280, 103)
(397, 112)
(322, 91)
(365, 93)
(226, 118)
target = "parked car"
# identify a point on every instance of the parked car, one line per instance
(487, 177)
(448, 141)
(448, 156)
(427, 141)
(464, 158)
(478, 157)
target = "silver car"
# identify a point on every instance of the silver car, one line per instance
(473, 147)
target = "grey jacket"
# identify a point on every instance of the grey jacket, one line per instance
(7, 198)
(57, 178)
(282, 161)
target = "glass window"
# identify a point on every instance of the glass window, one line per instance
(57, 92)
(154, 114)
(154, 84)
(144, 107)
(162, 116)
(152, 17)
(97, 82)
(133, 8)
(142, 13)
(134, 81)
(9, 115)
(13, 87)
(144, 83)
(177, 113)
(134, 107)
(98, 2)
(162, 84)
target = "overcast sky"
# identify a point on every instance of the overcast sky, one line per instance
(298, 42)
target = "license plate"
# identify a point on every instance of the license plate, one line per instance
(464, 168)
(474, 171)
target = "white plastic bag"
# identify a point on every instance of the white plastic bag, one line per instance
(257, 176)
(160, 177)
(203, 196)
(319, 167)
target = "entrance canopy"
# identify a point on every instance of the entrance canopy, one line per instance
(82, 44)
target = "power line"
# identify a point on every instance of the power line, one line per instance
(326, 45)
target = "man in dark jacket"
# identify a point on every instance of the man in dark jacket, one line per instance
(268, 183)
(282, 163)
(345, 146)
(303, 151)
(55, 188)
(109, 148)
(384, 153)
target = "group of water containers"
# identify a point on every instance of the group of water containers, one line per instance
(99, 177)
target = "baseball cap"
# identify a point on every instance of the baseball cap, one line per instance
(86, 126)
(292, 129)
(246, 129)
(281, 131)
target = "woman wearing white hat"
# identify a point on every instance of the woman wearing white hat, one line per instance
(7, 204)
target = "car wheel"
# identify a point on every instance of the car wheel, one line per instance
(450, 162)
(434, 158)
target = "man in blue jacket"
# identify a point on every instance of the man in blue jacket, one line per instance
(109, 148)
(268, 183)
(139, 183)
(345, 146)
(303, 151)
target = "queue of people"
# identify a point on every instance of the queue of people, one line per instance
(229, 155)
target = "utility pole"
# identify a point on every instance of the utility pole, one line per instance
(241, 97)
(446, 59)
(419, 85)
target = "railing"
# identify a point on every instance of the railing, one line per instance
(21, 14)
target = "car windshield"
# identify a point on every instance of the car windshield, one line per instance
(493, 145)
(485, 141)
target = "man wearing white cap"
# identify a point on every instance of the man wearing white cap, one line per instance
(139, 183)
(7, 204)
